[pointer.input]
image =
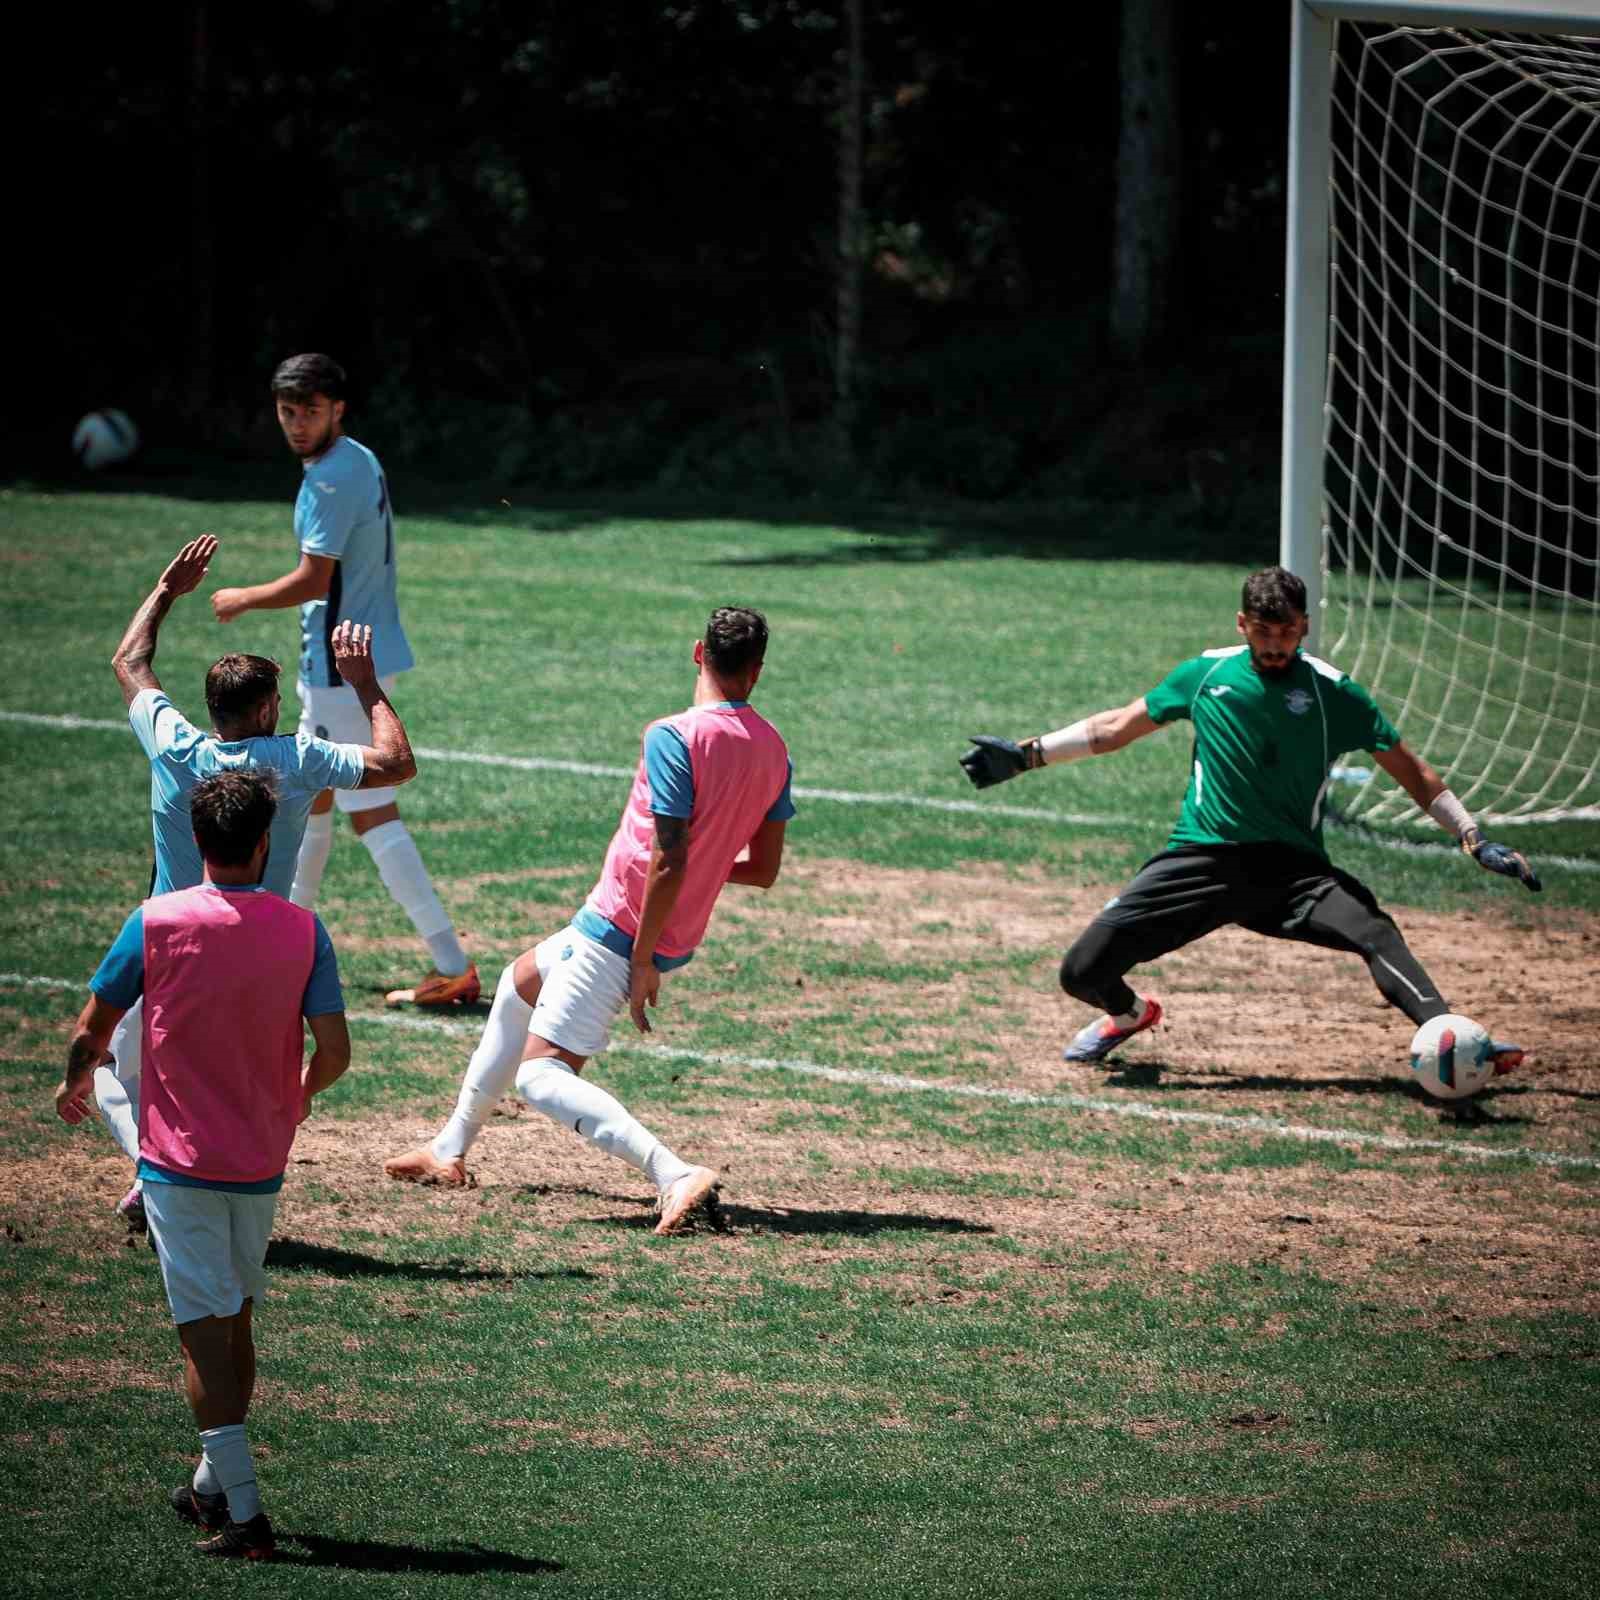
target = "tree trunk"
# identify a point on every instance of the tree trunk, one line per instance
(1145, 248)
(199, 315)
(847, 333)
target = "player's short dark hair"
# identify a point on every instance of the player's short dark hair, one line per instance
(735, 640)
(300, 377)
(1274, 595)
(237, 684)
(230, 812)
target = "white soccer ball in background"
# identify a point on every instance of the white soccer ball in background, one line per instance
(103, 438)
(1451, 1057)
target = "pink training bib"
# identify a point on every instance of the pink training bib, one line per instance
(740, 764)
(224, 978)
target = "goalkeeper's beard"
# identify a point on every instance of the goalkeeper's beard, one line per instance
(1276, 667)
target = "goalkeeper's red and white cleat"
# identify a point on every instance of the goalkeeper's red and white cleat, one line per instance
(438, 990)
(1102, 1036)
(1506, 1057)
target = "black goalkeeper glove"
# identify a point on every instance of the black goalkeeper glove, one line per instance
(1501, 858)
(992, 760)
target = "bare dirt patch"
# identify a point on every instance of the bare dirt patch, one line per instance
(1261, 1025)
(1293, 1033)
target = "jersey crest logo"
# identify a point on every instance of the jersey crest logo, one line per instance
(1298, 701)
(566, 952)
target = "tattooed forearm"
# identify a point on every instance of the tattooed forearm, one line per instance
(132, 661)
(82, 1054)
(672, 837)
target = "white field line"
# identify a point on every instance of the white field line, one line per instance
(800, 1067)
(919, 802)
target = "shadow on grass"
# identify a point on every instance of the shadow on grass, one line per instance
(298, 1255)
(373, 1555)
(793, 1221)
(1474, 1112)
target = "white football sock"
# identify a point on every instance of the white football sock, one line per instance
(551, 1086)
(491, 1071)
(205, 1479)
(448, 956)
(400, 866)
(116, 1089)
(228, 1451)
(313, 858)
(1132, 1019)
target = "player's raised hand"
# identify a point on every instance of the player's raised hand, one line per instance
(185, 570)
(1501, 858)
(992, 760)
(352, 653)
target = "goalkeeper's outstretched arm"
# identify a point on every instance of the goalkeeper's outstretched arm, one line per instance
(992, 760)
(1432, 795)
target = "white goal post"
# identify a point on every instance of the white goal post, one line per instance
(1441, 426)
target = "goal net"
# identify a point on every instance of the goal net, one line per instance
(1458, 542)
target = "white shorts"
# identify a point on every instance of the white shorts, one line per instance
(336, 714)
(582, 988)
(212, 1246)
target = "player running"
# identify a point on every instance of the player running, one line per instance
(344, 524)
(709, 806)
(242, 698)
(1269, 721)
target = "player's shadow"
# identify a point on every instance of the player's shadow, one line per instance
(1157, 1075)
(300, 1255)
(374, 1555)
(1475, 1112)
(723, 1217)
(793, 1221)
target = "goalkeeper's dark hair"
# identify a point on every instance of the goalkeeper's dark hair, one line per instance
(237, 684)
(230, 814)
(735, 640)
(300, 377)
(1273, 595)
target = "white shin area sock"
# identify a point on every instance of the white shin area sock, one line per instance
(1132, 1019)
(205, 1480)
(551, 1086)
(399, 864)
(491, 1071)
(313, 858)
(228, 1451)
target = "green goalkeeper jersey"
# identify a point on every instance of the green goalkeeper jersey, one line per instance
(1263, 746)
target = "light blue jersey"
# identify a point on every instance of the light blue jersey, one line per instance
(181, 755)
(343, 511)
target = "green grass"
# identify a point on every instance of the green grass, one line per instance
(948, 1346)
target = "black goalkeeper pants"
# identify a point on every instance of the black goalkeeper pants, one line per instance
(1182, 895)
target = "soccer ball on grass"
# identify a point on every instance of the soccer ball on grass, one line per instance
(103, 438)
(1451, 1057)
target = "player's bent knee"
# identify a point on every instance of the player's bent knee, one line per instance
(540, 1080)
(1083, 973)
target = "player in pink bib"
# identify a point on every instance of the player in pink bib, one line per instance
(709, 806)
(231, 975)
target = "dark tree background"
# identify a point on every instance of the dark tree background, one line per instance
(598, 244)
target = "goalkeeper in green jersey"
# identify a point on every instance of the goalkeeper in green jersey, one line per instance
(1269, 722)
